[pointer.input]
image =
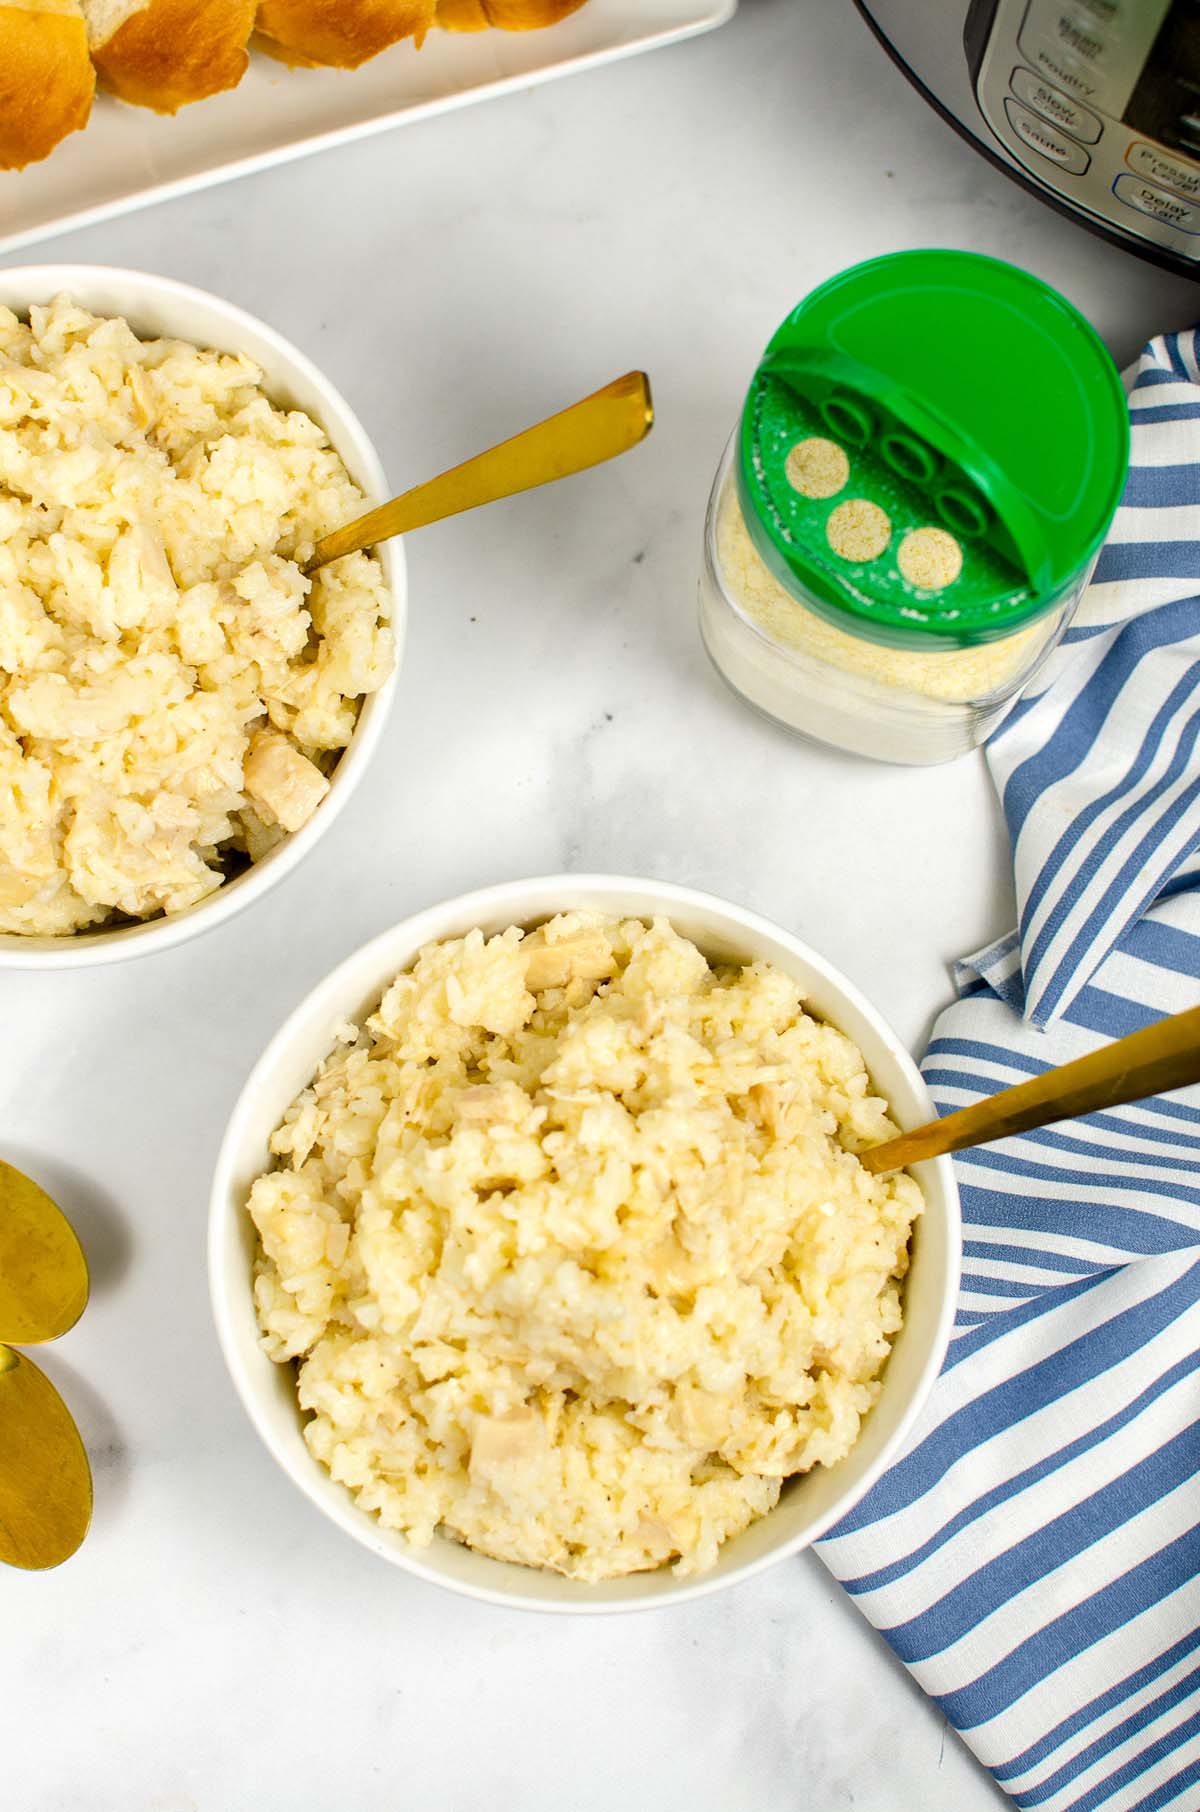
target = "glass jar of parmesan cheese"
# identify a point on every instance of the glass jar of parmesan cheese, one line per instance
(928, 461)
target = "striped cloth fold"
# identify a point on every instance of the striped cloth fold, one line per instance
(1096, 767)
(1034, 1555)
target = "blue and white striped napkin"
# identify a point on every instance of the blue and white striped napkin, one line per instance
(1034, 1556)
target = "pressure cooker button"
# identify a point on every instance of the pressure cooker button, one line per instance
(1046, 140)
(1056, 106)
(1172, 172)
(1066, 45)
(1066, 71)
(1157, 203)
(1072, 32)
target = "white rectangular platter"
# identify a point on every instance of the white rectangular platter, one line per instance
(128, 156)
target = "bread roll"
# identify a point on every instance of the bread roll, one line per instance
(46, 78)
(528, 15)
(164, 53)
(508, 15)
(343, 33)
(462, 15)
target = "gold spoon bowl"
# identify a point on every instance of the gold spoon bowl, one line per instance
(43, 1273)
(45, 1479)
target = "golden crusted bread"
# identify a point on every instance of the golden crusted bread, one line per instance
(462, 15)
(508, 15)
(528, 15)
(165, 53)
(46, 78)
(343, 33)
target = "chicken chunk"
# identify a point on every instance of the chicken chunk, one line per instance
(702, 1418)
(17, 888)
(283, 783)
(144, 394)
(655, 1536)
(489, 1102)
(671, 1268)
(503, 1445)
(765, 1105)
(584, 957)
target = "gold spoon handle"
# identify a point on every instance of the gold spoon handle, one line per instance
(1160, 1057)
(586, 434)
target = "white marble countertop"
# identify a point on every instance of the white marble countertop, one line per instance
(216, 1644)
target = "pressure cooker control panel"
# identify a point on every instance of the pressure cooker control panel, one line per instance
(1099, 100)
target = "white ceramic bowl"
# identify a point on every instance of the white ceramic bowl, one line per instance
(158, 306)
(809, 1505)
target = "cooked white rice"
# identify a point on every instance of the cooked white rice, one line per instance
(173, 690)
(573, 1249)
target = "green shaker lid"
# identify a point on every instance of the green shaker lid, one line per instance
(946, 393)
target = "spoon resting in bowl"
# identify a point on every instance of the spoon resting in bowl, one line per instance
(1155, 1060)
(598, 428)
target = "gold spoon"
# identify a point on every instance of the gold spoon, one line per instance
(45, 1479)
(1153, 1061)
(589, 432)
(43, 1273)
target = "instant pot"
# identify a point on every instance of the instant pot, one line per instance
(1092, 104)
